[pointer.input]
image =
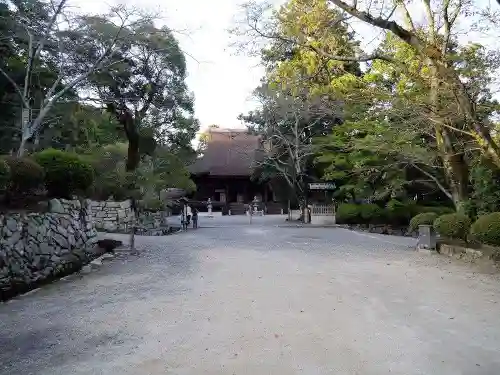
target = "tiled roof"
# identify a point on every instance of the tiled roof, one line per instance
(228, 152)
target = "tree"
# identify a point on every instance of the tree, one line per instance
(407, 94)
(144, 88)
(54, 40)
(433, 48)
(287, 123)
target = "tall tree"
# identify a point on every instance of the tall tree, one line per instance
(52, 39)
(403, 91)
(288, 122)
(144, 88)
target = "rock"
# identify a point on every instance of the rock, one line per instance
(86, 269)
(46, 249)
(60, 240)
(109, 226)
(124, 204)
(12, 225)
(96, 262)
(62, 231)
(32, 230)
(56, 206)
(13, 239)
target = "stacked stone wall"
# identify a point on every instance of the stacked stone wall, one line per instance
(38, 247)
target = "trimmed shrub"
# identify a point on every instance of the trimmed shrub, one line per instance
(453, 226)
(439, 210)
(371, 214)
(65, 172)
(26, 175)
(348, 213)
(425, 218)
(398, 213)
(486, 229)
(4, 175)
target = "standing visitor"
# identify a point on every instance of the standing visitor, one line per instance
(189, 214)
(195, 218)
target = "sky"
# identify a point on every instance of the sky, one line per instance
(221, 79)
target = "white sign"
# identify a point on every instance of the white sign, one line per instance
(322, 186)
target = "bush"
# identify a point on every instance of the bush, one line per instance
(26, 175)
(371, 214)
(152, 204)
(439, 210)
(398, 213)
(348, 213)
(425, 218)
(4, 175)
(486, 229)
(453, 226)
(65, 172)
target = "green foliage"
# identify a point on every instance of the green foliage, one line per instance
(77, 127)
(152, 204)
(425, 218)
(162, 170)
(372, 214)
(26, 176)
(4, 174)
(439, 210)
(65, 172)
(398, 213)
(486, 229)
(454, 226)
(111, 179)
(348, 213)
(485, 181)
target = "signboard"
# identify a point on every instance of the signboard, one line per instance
(322, 186)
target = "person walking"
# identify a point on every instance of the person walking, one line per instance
(189, 215)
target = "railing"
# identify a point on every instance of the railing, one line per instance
(322, 210)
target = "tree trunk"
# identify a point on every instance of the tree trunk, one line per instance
(458, 174)
(455, 165)
(22, 146)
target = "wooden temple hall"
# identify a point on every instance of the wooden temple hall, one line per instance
(224, 172)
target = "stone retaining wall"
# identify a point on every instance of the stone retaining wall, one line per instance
(111, 216)
(39, 247)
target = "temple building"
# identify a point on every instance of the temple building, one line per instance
(224, 172)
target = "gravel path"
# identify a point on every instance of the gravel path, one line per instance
(260, 299)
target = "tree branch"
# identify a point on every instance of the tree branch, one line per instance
(433, 178)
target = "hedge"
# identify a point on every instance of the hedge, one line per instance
(348, 213)
(439, 210)
(425, 218)
(371, 214)
(398, 213)
(486, 229)
(65, 172)
(454, 226)
(26, 175)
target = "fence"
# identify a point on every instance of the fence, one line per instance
(322, 214)
(322, 210)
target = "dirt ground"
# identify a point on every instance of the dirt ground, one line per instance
(234, 298)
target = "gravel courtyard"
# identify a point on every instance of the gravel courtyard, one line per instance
(233, 298)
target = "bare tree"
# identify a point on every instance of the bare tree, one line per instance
(288, 122)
